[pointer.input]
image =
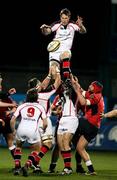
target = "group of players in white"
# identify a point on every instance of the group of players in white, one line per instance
(35, 125)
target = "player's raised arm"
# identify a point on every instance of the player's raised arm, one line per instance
(45, 29)
(79, 22)
(109, 114)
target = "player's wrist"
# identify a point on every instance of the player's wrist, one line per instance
(49, 76)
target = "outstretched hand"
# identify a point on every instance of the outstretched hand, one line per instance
(79, 21)
(101, 115)
(44, 26)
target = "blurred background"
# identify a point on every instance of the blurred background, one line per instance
(24, 49)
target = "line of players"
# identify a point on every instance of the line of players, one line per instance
(35, 125)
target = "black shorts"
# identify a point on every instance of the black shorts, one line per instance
(85, 128)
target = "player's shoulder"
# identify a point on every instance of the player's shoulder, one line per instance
(55, 23)
(73, 24)
(98, 97)
(39, 106)
(22, 105)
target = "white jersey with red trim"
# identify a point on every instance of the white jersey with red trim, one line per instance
(43, 99)
(69, 121)
(65, 34)
(31, 114)
(68, 108)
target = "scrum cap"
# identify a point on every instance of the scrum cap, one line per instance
(97, 86)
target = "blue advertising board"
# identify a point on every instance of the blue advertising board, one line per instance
(106, 139)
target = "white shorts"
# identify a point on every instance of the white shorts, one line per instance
(68, 124)
(24, 134)
(56, 55)
(48, 132)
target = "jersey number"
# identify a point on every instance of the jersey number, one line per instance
(30, 112)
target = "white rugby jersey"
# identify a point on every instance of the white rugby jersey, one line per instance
(43, 99)
(30, 114)
(65, 34)
(68, 107)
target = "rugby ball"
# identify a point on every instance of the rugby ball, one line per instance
(53, 45)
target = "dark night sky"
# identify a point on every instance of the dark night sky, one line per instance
(23, 42)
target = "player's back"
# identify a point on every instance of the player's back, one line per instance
(30, 114)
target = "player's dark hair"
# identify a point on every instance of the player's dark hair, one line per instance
(33, 83)
(66, 12)
(32, 95)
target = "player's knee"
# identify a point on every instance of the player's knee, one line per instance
(64, 55)
(54, 64)
(55, 67)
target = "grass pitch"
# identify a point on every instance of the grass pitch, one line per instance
(105, 164)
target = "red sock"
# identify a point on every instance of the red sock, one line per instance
(17, 157)
(67, 158)
(44, 149)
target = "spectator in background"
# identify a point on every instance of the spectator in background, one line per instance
(64, 30)
(92, 103)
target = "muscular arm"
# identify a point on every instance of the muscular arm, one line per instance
(79, 22)
(46, 81)
(3, 104)
(75, 84)
(79, 91)
(110, 114)
(82, 99)
(82, 29)
(57, 81)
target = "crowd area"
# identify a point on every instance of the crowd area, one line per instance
(70, 99)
